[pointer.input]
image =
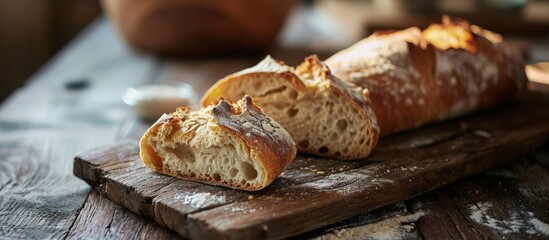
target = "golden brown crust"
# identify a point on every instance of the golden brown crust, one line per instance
(263, 140)
(267, 68)
(415, 77)
(149, 156)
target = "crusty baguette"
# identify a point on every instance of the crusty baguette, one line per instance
(236, 146)
(325, 116)
(447, 70)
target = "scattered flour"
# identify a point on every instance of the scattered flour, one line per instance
(347, 181)
(539, 225)
(482, 133)
(391, 228)
(413, 168)
(514, 224)
(200, 200)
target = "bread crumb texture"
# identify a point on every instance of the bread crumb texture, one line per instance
(233, 145)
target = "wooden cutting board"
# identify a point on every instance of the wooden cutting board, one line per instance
(314, 192)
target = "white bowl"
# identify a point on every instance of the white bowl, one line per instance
(150, 101)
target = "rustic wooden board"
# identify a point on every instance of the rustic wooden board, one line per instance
(313, 192)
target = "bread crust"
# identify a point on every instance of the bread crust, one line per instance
(415, 77)
(264, 140)
(269, 67)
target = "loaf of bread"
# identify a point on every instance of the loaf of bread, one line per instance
(408, 78)
(232, 145)
(415, 77)
(324, 116)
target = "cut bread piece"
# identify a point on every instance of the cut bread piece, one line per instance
(325, 116)
(236, 146)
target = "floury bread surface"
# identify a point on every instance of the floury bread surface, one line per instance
(325, 116)
(415, 77)
(232, 145)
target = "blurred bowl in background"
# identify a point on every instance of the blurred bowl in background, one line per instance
(197, 27)
(150, 101)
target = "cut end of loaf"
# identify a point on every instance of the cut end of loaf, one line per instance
(195, 146)
(323, 115)
(349, 112)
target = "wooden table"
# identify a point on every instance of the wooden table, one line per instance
(74, 103)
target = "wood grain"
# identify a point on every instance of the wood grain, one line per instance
(30, 194)
(102, 219)
(505, 201)
(313, 193)
(365, 220)
(43, 126)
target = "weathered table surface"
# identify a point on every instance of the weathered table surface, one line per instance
(315, 192)
(73, 104)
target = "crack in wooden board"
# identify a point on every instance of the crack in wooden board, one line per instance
(313, 193)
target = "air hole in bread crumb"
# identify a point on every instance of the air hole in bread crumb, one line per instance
(291, 112)
(334, 136)
(256, 85)
(192, 175)
(303, 143)
(292, 94)
(153, 158)
(278, 105)
(362, 140)
(248, 170)
(184, 153)
(233, 172)
(337, 154)
(176, 128)
(225, 161)
(323, 149)
(216, 177)
(341, 125)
